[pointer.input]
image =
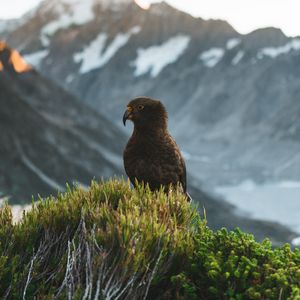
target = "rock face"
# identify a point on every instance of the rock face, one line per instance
(203, 71)
(48, 137)
(233, 99)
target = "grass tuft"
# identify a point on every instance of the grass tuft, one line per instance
(112, 242)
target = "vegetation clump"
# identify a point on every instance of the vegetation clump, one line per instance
(112, 242)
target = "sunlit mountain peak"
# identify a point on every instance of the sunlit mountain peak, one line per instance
(143, 4)
(11, 60)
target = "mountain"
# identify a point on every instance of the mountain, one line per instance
(232, 99)
(48, 137)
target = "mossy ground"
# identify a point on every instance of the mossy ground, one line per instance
(112, 242)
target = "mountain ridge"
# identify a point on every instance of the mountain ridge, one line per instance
(49, 138)
(231, 86)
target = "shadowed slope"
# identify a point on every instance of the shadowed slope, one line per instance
(48, 138)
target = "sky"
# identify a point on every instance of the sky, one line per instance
(243, 15)
(15, 8)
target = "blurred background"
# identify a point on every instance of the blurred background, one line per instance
(227, 71)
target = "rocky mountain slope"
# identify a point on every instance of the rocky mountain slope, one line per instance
(48, 137)
(233, 99)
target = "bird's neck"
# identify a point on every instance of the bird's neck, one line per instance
(143, 132)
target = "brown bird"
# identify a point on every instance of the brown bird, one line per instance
(152, 155)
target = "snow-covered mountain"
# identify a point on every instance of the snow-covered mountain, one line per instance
(106, 52)
(233, 99)
(47, 137)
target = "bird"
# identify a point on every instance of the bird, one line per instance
(151, 155)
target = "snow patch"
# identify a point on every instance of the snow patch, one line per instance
(239, 56)
(2, 200)
(296, 242)
(35, 59)
(91, 55)
(212, 57)
(78, 12)
(94, 56)
(273, 52)
(232, 43)
(155, 58)
(289, 185)
(278, 202)
(18, 211)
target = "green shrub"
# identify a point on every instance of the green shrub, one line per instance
(112, 242)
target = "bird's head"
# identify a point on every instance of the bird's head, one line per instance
(146, 112)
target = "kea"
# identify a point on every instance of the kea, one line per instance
(152, 156)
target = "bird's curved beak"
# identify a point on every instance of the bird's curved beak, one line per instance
(127, 115)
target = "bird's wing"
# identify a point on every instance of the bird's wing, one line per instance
(161, 164)
(183, 174)
(144, 171)
(155, 173)
(180, 163)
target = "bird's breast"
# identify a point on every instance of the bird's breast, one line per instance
(152, 149)
(141, 149)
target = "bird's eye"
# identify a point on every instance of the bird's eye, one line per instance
(140, 107)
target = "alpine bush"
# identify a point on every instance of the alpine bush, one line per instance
(113, 242)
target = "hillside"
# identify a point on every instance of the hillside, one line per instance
(48, 137)
(111, 242)
(240, 92)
